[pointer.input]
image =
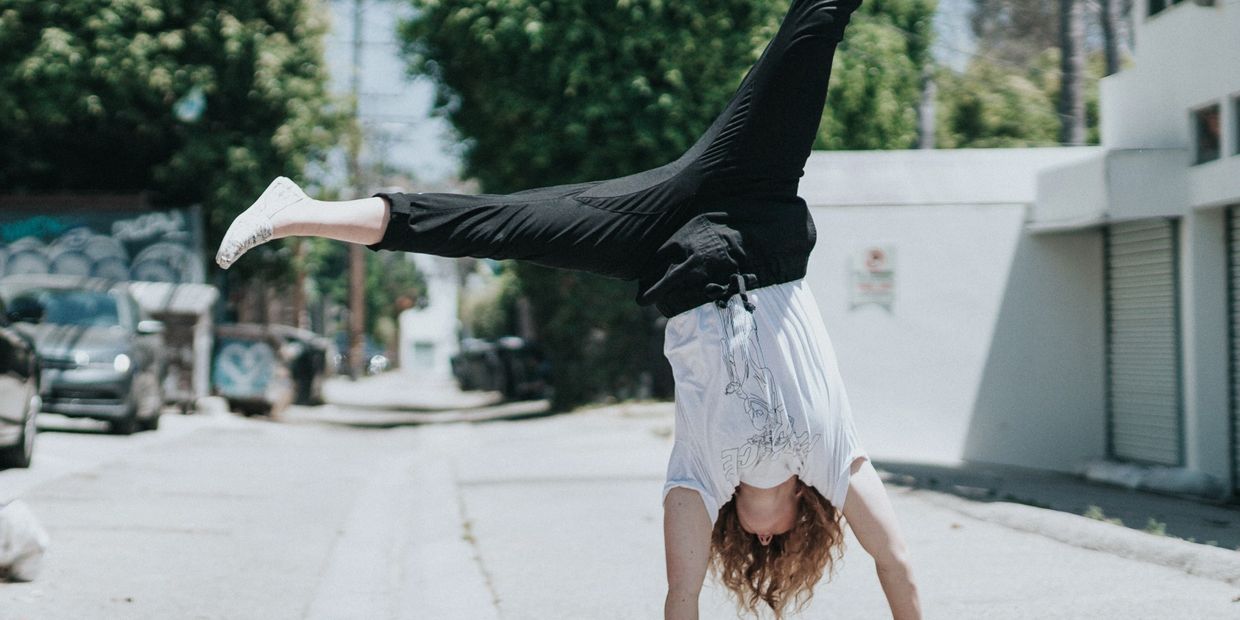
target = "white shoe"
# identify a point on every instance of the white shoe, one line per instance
(255, 226)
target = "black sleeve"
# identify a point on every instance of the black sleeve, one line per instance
(758, 144)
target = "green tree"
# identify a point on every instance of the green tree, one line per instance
(993, 104)
(557, 91)
(1015, 32)
(196, 101)
(393, 283)
(876, 80)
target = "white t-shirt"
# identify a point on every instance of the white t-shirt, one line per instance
(759, 398)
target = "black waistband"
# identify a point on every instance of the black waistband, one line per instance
(725, 285)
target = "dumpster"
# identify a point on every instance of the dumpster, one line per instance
(312, 360)
(185, 310)
(251, 369)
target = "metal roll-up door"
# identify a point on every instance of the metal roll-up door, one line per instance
(1233, 298)
(1143, 343)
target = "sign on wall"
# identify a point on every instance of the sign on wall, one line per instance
(150, 246)
(872, 277)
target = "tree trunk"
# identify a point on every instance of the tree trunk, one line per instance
(1109, 16)
(1072, 72)
(926, 111)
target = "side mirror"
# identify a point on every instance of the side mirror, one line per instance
(150, 328)
(25, 310)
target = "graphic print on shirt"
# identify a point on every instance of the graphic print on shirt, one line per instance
(753, 384)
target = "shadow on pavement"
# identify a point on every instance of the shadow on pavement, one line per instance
(1190, 518)
(381, 419)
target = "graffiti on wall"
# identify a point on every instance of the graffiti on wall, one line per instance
(243, 369)
(157, 246)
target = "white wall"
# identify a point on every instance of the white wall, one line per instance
(992, 350)
(1204, 318)
(434, 325)
(1186, 57)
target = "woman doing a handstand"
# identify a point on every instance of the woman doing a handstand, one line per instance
(766, 459)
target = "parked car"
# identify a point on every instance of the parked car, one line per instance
(510, 365)
(19, 387)
(100, 357)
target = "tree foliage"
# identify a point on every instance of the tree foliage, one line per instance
(393, 282)
(992, 105)
(199, 101)
(1009, 94)
(876, 79)
(557, 91)
(1015, 31)
(550, 91)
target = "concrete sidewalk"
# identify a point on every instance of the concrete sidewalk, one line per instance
(560, 517)
(400, 398)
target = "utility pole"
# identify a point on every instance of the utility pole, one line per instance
(357, 254)
(301, 317)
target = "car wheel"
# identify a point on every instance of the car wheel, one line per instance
(20, 454)
(126, 425)
(152, 423)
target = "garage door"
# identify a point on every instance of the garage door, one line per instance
(1233, 293)
(1143, 343)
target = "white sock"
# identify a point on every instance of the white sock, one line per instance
(257, 225)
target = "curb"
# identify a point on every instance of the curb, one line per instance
(1195, 559)
(389, 418)
(409, 407)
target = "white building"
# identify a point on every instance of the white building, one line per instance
(1070, 309)
(957, 343)
(429, 336)
(1161, 200)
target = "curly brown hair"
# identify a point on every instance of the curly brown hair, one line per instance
(785, 570)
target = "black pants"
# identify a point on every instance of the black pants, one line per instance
(652, 225)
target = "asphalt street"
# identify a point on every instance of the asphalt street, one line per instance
(554, 517)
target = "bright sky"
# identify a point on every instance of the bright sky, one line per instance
(394, 109)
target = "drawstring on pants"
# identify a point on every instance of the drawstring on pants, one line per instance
(736, 285)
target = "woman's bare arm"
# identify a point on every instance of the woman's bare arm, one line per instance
(870, 515)
(686, 539)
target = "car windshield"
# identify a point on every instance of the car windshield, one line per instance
(76, 307)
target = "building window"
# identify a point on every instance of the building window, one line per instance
(423, 354)
(1158, 5)
(1235, 125)
(1207, 133)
